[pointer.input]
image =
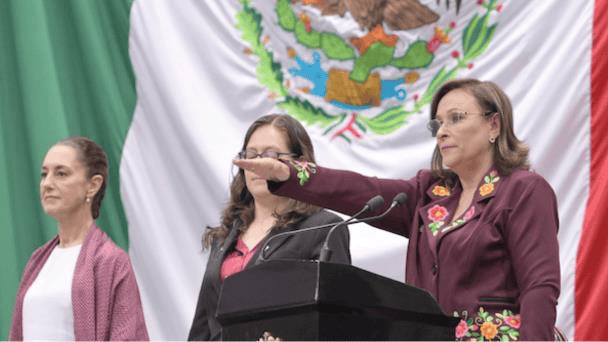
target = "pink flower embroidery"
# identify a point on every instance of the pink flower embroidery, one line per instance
(437, 213)
(469, 214)
(513, 321)
(461, 329)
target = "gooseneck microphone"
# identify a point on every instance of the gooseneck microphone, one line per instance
(398, 200)
(371, 205)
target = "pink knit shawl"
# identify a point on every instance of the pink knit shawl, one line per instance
(105, 296)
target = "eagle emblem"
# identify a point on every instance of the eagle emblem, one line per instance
(357, 67)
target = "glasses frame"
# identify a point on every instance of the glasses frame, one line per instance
(243, 154)
(436, 123)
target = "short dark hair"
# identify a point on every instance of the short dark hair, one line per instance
(95, 162)
(510, 153)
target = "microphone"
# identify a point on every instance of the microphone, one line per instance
(398, 200)
(371, 205)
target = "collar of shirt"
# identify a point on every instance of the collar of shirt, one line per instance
(237, 259)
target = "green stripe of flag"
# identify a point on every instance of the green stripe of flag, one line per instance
(64, 70)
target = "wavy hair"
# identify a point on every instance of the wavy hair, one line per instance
(241, 206)
(509, 152)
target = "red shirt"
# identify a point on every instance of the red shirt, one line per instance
(238, 259)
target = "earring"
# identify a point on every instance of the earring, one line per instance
(492, 140)
(88, 200)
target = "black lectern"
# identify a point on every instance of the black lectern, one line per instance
(315, 301)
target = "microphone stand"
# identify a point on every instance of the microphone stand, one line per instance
(371, 205)
(398, 200)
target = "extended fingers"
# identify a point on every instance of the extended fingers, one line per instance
(267, 168)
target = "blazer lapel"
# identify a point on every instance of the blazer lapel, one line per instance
(271, 244)
(485, 191)
(438, 215)
(217, 257)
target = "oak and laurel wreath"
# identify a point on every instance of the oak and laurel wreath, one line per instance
(476, 38)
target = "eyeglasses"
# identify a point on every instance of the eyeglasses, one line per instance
(454, 118)
(250, 154)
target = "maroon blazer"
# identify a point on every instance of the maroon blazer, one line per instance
(496, 266)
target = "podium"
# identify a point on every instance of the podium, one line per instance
(317, 301)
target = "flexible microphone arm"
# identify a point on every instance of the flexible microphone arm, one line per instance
(398, 200)
(371, 205)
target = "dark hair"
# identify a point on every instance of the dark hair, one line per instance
(509, 152)
(241, 204)
(95, 162)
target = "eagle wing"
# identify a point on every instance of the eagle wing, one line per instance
(332, 7)
(397, 14)
(407, 15)
(367, 13)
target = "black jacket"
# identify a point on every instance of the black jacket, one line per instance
(302, 246)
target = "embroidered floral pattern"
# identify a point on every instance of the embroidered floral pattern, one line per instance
(462, 329)
(489, 180)
(435, 226)
(441, 191)
(513, 321)
(305, 169)
(436, 214)
(488, 330)
(500, 326)
(469, 213)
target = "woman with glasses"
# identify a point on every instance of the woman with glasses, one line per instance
(482, 227)
(253, 216)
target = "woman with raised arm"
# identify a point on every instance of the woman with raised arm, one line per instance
(253, 216)
(482, 227)
(79, 285)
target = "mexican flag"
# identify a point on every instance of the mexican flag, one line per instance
(168, 88)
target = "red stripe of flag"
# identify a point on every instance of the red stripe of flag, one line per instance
(591, 289)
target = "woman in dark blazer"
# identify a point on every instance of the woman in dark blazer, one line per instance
(482, 227)
(254, 215)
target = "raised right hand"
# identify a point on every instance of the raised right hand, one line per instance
(267, 168)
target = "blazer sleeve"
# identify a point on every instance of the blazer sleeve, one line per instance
(199, 331)
(347, 192)
(531, 236)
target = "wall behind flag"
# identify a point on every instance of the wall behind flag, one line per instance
(64, 70)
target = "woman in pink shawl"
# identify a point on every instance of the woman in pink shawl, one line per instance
(79, 285)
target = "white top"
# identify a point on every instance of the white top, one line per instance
(47, 306)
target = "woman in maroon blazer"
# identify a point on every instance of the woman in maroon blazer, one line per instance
(482, 228)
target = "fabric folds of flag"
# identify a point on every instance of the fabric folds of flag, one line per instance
(168, 88)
